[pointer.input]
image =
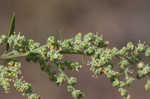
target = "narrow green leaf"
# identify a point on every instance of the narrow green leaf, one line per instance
(11, 28)
(12, 25)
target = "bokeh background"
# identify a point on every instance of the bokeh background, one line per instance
(119, 21)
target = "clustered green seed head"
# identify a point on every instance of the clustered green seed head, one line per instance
(11, 74)
(50, 57)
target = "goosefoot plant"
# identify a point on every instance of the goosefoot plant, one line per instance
(92, 45)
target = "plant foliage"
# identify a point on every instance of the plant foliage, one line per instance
(92, 45)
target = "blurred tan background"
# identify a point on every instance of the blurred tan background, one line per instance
(119, 21)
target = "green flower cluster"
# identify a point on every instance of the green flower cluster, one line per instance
(11, 74)
(20, 44)
(3, 39)
(118, 65)
(90, 45)
(25, 88)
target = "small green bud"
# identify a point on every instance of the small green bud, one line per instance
(3, 37)
(72, 81)
(51, 40)
(140, 47)
(147, 53)
(60, 79)
(140, 65)
(122, 84)
(77, 94)
(54, 55)
(89, 50)
(124, 63)
(116, 83)
(123, 51)
(5, 84)
(89, 37)
(98, 71)
(123, 92)
(147, 85)
(139, 74)
(130, 80)
(70, 88)
(78, 36)
(34, 96)
(130, 46)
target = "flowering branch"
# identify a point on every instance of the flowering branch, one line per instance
(53, 51)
